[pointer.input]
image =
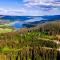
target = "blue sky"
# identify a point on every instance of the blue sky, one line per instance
(30, 7)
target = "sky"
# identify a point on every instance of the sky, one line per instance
(30, 7)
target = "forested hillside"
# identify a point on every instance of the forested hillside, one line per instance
(51, 28)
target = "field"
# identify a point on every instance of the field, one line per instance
(5, 30)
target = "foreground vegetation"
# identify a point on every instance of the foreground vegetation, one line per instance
(30, 44)
(27, 46)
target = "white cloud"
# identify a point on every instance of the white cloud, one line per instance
(49, 7)
(30, 12)
(12, 11)
(54, 3)
(19, 12)
(33, 8)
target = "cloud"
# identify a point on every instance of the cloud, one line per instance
(42, 2)
(34, 8)
(19, 12)
(30, 12)
(43, 7)
(12, 11)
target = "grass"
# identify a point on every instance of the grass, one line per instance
(27, 45)
(5, 30)
(4, 25)
(15, 46)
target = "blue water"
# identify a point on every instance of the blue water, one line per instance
(29, 19)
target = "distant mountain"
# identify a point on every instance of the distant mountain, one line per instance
(49, 17)
(14, 18)
(44, 20)
(28, 21)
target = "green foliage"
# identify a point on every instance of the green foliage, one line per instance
(6, 49)
(30, 44)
